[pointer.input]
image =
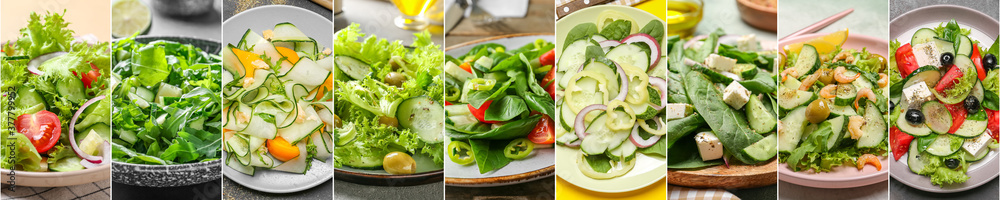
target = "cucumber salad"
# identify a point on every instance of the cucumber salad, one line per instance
(277, 101)
(60, 111)
(389, 110)
(498, 103)
(833, 105)
(167, 105)
(611, 93)
(944, 115)
(721, 102)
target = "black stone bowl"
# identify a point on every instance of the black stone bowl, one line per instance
(170, 175)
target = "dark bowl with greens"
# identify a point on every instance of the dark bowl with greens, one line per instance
(188, 147)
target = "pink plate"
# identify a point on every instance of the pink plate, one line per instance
(841, 177)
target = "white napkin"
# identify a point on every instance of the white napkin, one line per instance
(505, 8)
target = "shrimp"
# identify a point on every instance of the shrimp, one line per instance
(838, 74)
(883, 80)
(808, 82)
(869, 159)
(845, 56)
(828, 92)
(854, 126)
(788, 72)
(865, 93)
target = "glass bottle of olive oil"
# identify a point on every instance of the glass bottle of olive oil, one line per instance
(683, 16)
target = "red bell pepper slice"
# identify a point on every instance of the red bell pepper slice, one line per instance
(978, 60)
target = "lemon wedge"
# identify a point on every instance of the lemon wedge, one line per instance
(824, 44)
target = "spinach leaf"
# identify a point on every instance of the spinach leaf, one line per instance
(763, 82)
(580, 31)
(507, 108)
(510, 130)
(990, 100)
(600, 163)
(731, 127)
(678, 128)
(489, 154)
(659, 148)
(617, 30)
(654, 28)
(676, 61)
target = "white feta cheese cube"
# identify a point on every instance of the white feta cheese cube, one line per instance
(973, 145)
(678, 110)
(720, 63)
(709, 146)
(736, 95)
(917, 93)
(927, 54)
(748, 43)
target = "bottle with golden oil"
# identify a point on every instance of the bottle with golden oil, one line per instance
(411, 10)
(683, 16)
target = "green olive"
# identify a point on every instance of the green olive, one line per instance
(825, 75)
(399, 163)
(388, 121)
(395, 79)
(818, 111)
(336, 121)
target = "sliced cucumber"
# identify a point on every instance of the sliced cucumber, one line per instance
(945, 145)
(846, 111)
(365, 162)
(791, 98)
(923, 35)
(567, 117)
(963, 45)
(422, 115)
(630, 54)
(918, 130)
(837, 132)
(971, 128)
(299, 164)
(574, 56)
(27, 97)
(600, 138)
(288, 32)
(609, 74)
(979, 155)
(624, 152)
(874, 129)
(807, 62)
(232, 162)
(915, 159)
(944, 46)
(764, 149)
(936, 116)
(792, 127)
(354, 68)
(846, 93)
(761, 120)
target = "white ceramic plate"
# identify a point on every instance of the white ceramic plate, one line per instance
(539, 164)
(647, 169)
(983, 29)
(313, 25)
(58, 179)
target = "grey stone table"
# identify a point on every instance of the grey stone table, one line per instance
(352, 191)
(869, 17)
(990, 190)
(376, 18)
(723, 14)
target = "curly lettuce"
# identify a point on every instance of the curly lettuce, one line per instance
(44, 34)
(942, 175)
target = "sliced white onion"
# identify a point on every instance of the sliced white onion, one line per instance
(660, 84)
(638, 141)
(654, 46)
(623, 88)
(37, 61)
(72, 133)
(732, 76)
(609, 43)
(578, 125)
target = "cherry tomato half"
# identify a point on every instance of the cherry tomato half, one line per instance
(544, 132)
(548, 58)
(42, 128)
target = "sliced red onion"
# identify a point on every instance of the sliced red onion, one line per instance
(37, 62)
(725, 159)
(609, 43)
(574, 143)
(107, 154)
(729, 39)
(689, 62)
(654, 46)
(638, 141)
(731, 75)
(583, 66)
(578, 125)
(623, 88)
(695, 39)
(660, 84)
(72, 133)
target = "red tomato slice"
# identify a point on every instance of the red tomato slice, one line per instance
(905, 60)
(42, 128)
(900, 142)
(544, 132)
(978, 61)
(957, 116)
(480, 113)
(548, 58)
(549, 82)
(949, 79)
(993, 126)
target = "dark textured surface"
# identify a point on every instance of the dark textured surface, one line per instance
(766, 192)
(234, 190)
(166, 175)
(232, 7)
(874, 191)
(538, 189)
(207, 190)
(350, 191)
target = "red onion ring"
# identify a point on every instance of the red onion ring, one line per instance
(574, 143)
(689, 43)
(623, 89)
(107, 154)
(72, 137)
(37, 62)
(609, 43)
(660, 84)
(654, 46)
(638, 141)
(578, 125)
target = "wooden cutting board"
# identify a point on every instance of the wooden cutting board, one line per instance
(735, 176)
